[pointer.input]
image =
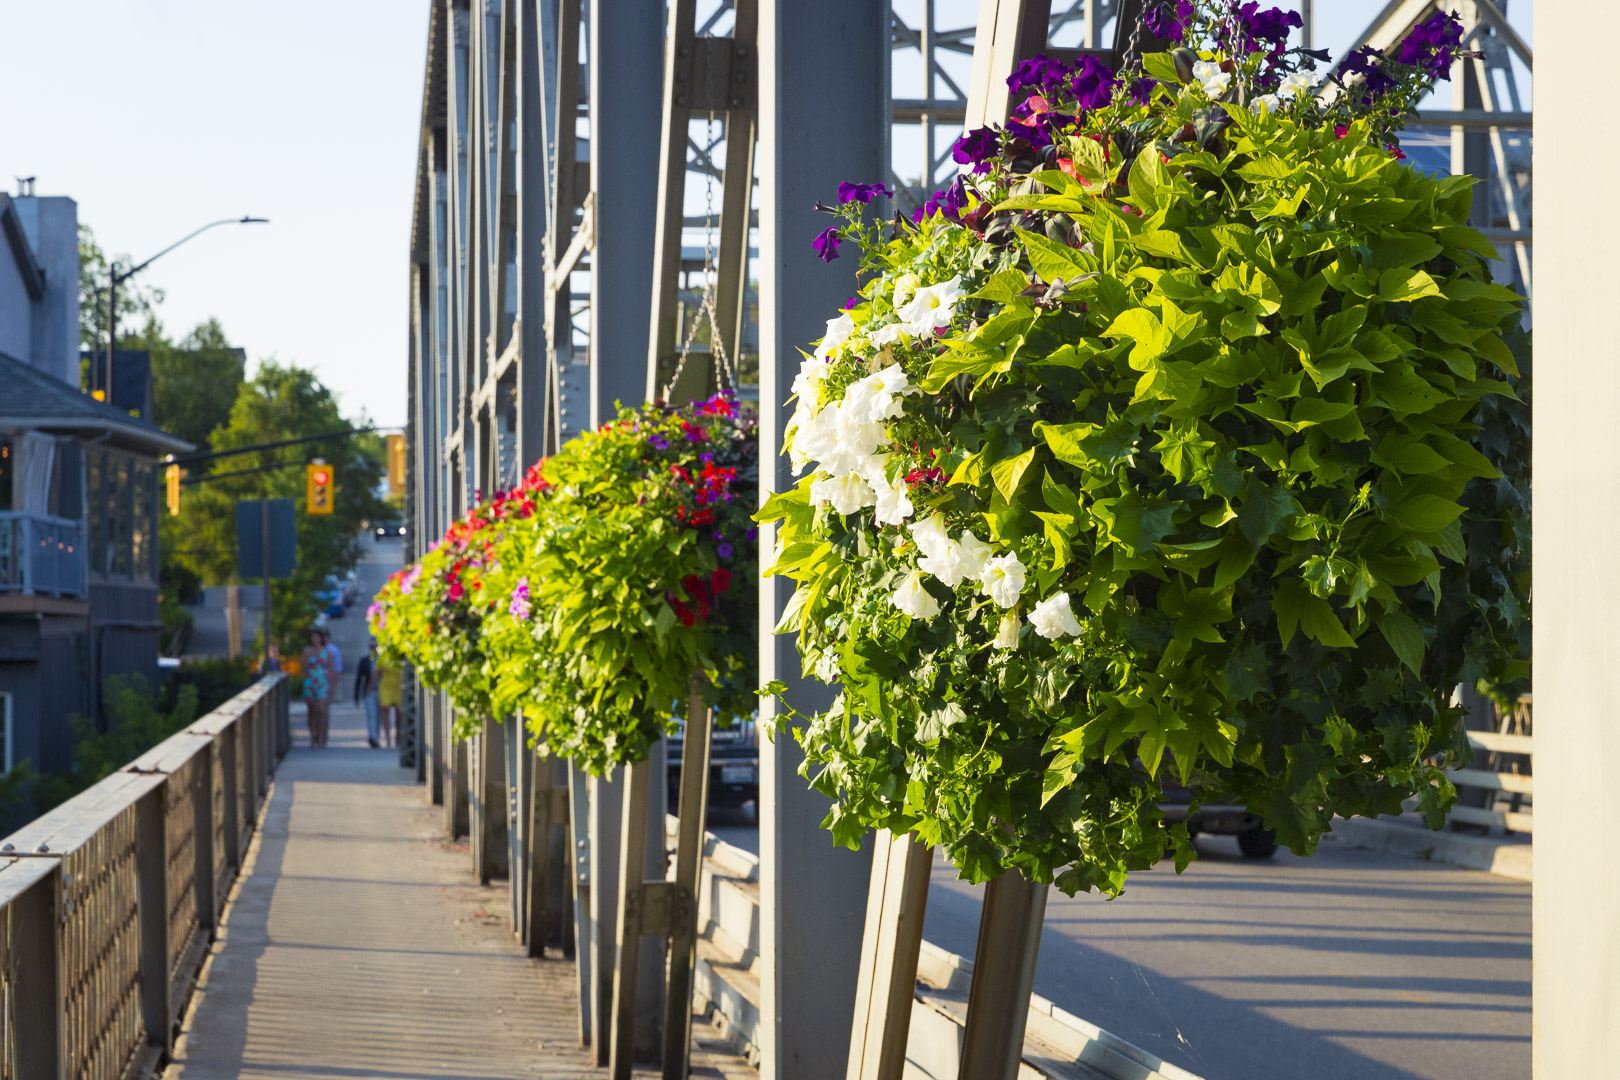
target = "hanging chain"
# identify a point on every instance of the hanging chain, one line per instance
(1133, 48)
(724, 372)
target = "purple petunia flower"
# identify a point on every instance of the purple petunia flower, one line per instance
(518, 607)
(752, 534)
(852, 303)
(1034, 134)
(1266, 29)
(723, 550)
(1141, 90)
(1365, 61)
(826, 243)
(659, 442)
(1432, 44)
(1040, 73)
(976, 148)
(862, 193)
(1093, 83)
(1169, 20)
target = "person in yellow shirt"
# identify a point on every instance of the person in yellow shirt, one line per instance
(388, 701)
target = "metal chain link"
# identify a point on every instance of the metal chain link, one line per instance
(1133, 48)
(723, 370)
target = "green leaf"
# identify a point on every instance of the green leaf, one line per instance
(1404, 637)
(1054, 261)
(1004, 286)
(1136, 523)
(1008, 473)
(1403, 284)
(1263, 510)
(1425, 513)
(939, 723)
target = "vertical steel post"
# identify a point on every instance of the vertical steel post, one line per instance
(693, 813)
(813, 894)
(626, 973)
(202, 838)
(36, 941)
(152, 872)
(1003, 976)
(895, 907)
(264, 565)
(607, 796)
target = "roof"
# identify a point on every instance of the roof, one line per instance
(27, 265)
(34, 399)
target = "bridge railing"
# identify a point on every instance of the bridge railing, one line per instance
(109, 901)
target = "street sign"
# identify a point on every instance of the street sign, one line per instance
(250, 538)
(396, 464)
(318, 481)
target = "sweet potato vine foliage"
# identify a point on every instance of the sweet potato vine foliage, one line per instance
(1177, 441)
(585, 598)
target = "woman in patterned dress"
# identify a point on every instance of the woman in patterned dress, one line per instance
(317, 686)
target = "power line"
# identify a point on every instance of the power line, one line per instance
(210, 455)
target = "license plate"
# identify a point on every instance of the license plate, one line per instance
(737, 774)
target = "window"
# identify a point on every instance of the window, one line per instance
(7, 746)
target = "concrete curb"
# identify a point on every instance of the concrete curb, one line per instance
(1504, 858)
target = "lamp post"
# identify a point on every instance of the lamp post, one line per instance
(115, 276)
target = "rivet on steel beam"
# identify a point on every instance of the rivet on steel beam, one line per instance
(8, 846)
(42, 848)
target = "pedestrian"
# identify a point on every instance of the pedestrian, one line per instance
(365, 690)
(388, 701)
(317, 685)
(337, 657)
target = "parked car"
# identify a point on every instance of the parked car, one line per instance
(386, 529)
(332, 595)
(733, 764)
(1255, 841)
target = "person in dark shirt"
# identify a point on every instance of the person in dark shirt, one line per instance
(365, 690)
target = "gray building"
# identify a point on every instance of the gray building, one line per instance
(79, 487)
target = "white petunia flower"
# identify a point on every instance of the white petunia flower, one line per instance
(954, 561)
(877, 397)
(1007, 631)
(904, 286)
(803, 418)
(1270, 101)
(847, 494)
(975, 553)
(826, 668)
(893, 500)
(913, 599)
(930, 535)
(838, 332)
(931, 307)
(1003, 579)
(1296, 83)
(1052, 618)
(1210, 76)
(808, 382)
(894, 333)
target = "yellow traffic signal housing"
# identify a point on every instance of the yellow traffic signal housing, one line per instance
(396, 464)
(318, 481)
(171, 479)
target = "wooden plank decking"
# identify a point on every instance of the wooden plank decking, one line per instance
(359, 945)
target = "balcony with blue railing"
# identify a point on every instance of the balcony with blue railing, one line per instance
(42, 555)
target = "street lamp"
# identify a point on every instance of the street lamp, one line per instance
(116, 276)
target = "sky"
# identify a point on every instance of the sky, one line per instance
(160, 115)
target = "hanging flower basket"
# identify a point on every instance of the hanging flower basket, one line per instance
(1169, 443)
(588, 597)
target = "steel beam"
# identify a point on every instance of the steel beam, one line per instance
(813, 894)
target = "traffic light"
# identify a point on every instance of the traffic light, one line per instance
(396, 464)
(171, 478)
(318, 479)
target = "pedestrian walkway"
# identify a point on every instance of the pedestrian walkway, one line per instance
(359, 945)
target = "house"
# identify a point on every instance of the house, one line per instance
(79, 491)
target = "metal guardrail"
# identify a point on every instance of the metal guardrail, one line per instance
(108, 902)
(41, 554)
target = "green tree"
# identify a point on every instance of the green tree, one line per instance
(137, 303)
(194, 382)
(278, 403)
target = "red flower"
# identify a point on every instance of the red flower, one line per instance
(703, 517)
(1340, 131)
(456, 590)
(720, 581)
